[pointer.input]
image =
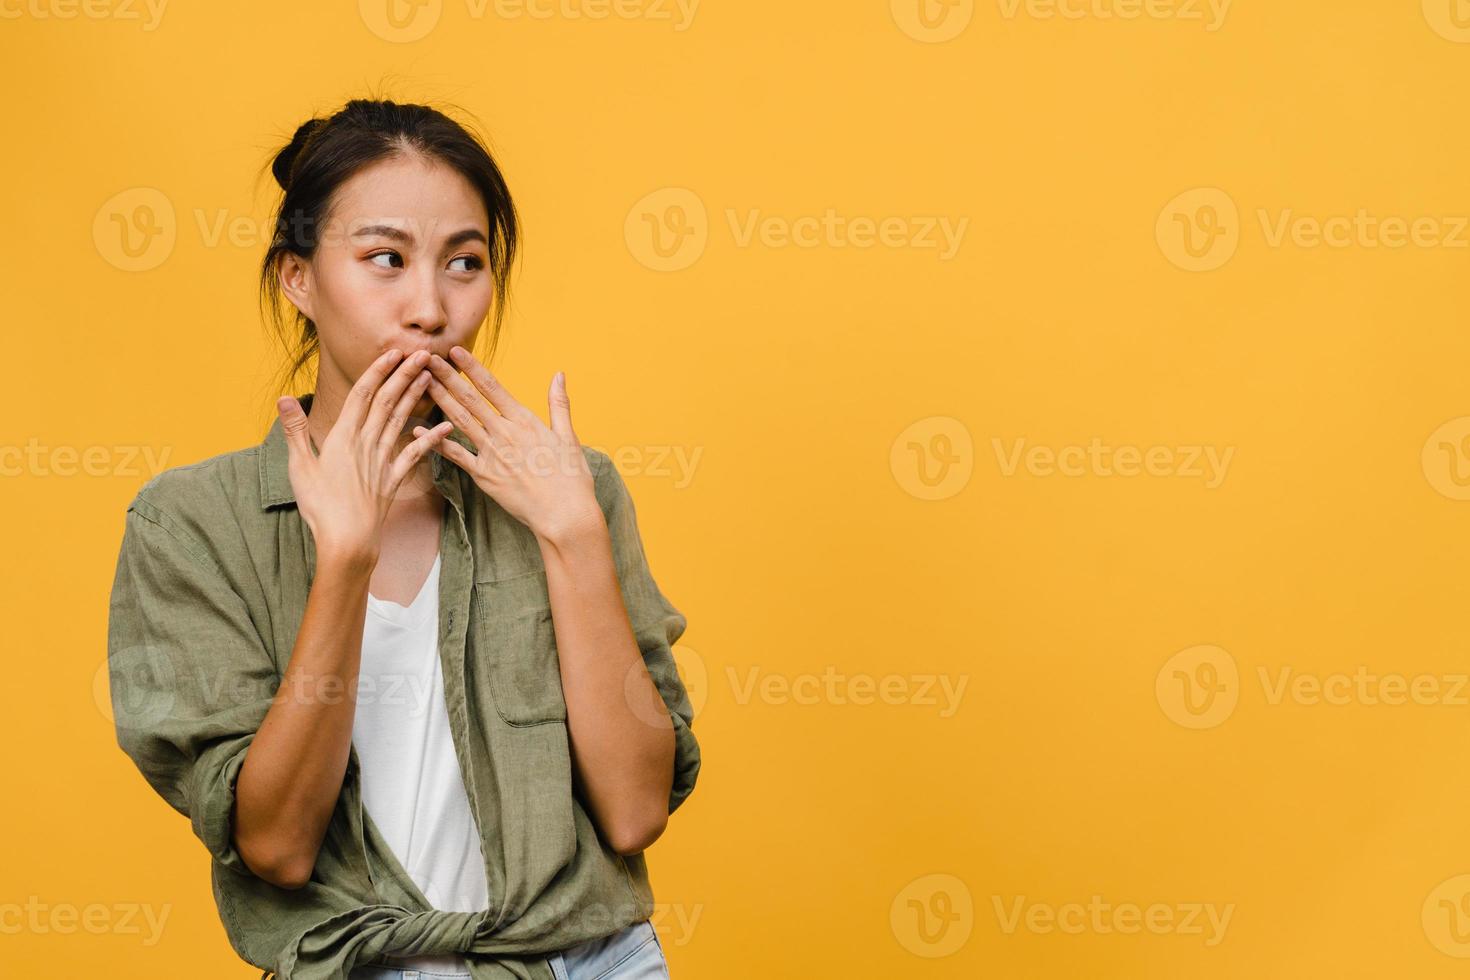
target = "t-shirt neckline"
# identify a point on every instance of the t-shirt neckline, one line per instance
(413, 613)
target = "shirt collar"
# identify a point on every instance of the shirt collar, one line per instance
(275, 475)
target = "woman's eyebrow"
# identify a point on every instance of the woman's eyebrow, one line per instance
(398, 234)
(383, 231)
(467, 235)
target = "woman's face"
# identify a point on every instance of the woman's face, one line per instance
(402, 261)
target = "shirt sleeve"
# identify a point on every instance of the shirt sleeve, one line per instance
(656, 623)
(190, 679)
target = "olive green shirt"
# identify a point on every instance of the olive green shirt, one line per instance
(209, 592)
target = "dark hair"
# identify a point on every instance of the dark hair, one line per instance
(324, 153)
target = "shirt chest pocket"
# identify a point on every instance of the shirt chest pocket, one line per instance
(516, 646)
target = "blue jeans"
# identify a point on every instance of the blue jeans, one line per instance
(634, 953)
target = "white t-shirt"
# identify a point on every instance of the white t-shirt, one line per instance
(412, 786)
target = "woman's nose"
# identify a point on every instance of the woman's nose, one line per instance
(425, 309)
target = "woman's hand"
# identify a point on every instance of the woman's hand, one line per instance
(345, 490)
(537, 473)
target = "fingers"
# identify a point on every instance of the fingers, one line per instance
(359, 399)
(559, 407)
(474, 419)
(293, 424)
(450, 385)
(488, 384)
(453, 451)
(387, 396)
(415, 451)
(393, 427)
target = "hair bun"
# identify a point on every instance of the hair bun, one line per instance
(286, 159)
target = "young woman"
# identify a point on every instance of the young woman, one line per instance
(403, 664)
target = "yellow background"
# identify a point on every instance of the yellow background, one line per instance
(827, 393)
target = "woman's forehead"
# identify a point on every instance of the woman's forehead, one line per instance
(428, 201)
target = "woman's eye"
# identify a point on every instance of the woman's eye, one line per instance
(385, 255)
(474, 263)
